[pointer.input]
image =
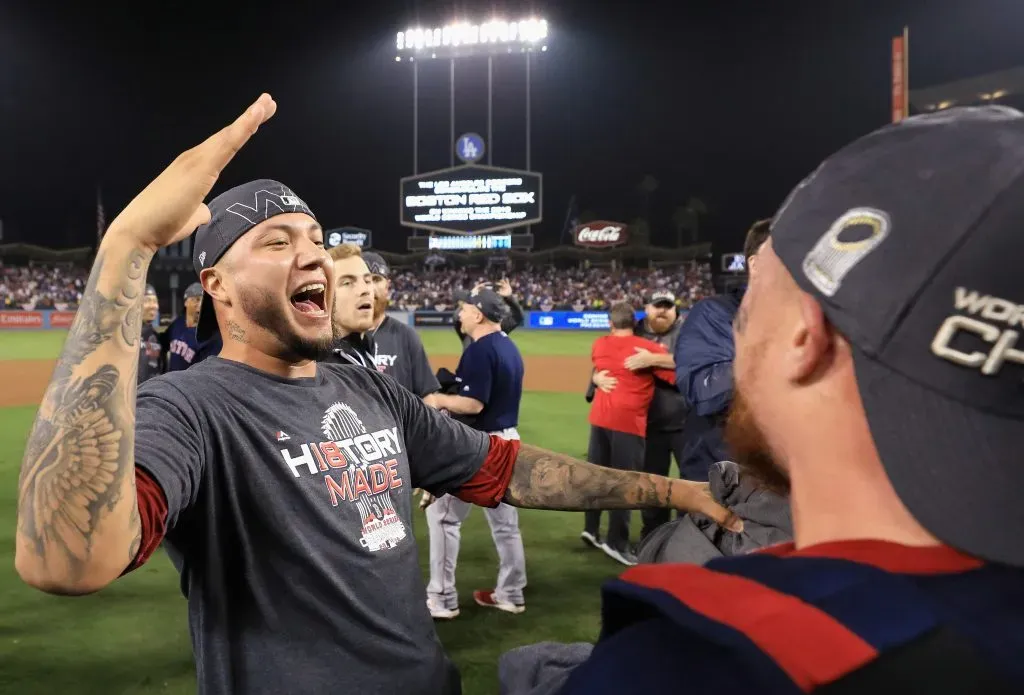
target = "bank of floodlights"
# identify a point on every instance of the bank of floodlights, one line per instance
(527, 34)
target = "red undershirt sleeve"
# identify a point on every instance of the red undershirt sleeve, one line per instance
(487, 487)
(152, 517)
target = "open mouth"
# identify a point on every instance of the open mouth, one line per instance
(310, 299)
(365, 306)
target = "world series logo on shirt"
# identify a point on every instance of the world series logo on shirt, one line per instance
(359, 467)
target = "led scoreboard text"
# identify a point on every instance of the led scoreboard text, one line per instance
(471, 199)
(471, 243)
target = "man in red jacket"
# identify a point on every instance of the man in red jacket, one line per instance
(618, 421)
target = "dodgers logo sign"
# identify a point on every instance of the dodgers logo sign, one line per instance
(469, 148)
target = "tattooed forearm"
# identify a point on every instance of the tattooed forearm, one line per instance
(77, 473)
(547, 480)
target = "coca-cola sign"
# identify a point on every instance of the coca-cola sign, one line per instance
(601, 234)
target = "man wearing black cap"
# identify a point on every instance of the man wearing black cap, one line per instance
(490, 372)
(879, 359)
(704, 355)
(149, 345)
(281, 488)
(181, 348)
(399, 350)
(511, 319)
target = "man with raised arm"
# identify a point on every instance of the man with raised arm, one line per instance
(280, 487)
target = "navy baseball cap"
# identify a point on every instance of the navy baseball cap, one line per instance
(194, 290)
(376, 263)
(233, 213)
(150, 291)
(489, 302)
(910, 238)
(661, 298)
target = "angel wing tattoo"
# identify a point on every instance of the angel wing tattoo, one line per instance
(72, 476)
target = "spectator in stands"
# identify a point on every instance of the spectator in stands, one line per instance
(704, 354)
(150, 352)
(180, 346)
(512, 319)
(39, 287)
(618, 420)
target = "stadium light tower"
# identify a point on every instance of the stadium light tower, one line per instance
(461, 40)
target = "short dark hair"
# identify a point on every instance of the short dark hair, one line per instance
(756, 236)
(622, 315)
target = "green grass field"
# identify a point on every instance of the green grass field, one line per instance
(133, 637)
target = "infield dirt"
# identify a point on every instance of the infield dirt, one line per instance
(23, 382)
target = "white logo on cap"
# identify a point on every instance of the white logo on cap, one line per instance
(994, 310)
(831, 259)
(202, 258)
(252, 215)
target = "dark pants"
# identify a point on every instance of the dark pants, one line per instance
(614, 450)
(658, 453)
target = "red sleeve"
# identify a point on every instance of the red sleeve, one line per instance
(152, 517)
(488, 486)
(668, 375)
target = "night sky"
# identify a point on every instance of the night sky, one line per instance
(733, 102)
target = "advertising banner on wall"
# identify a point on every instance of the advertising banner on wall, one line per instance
(601, 234)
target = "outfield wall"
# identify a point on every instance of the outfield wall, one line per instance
(36, 320)
(535, 320)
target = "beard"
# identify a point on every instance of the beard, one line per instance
(750, 448)
(264, 310)
(380, 305)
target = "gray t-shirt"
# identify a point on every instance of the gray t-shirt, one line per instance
(667, 411)
(399, 353)
(290, 521)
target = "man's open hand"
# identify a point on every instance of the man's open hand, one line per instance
(171, 206)
(605, 381)
(639, 360)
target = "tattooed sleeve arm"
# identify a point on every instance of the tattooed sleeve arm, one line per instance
(544, 479)
(78, 522)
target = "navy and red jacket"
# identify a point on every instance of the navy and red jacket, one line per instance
(783, 622)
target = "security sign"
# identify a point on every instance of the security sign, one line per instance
(471, 199)
(601, 234)
(363, 238)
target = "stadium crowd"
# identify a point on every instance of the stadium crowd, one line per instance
(550, 289)
(41, 287)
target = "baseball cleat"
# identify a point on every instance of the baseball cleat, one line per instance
(488, 600)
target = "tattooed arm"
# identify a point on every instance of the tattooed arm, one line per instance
(544, 479)
(78, 523)
(78, 517)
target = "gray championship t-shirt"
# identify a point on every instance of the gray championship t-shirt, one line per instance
(399, 353)
(290, 521)
(667, 411)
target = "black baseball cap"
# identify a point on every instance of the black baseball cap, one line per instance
(194, 290)
(233, 213)
(376, 263)
(910, 239)
(489, 302)
(661, 298)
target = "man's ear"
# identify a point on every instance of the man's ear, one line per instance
(810, 343)
(213, 281)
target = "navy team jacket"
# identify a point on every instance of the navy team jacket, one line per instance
(785, 622)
